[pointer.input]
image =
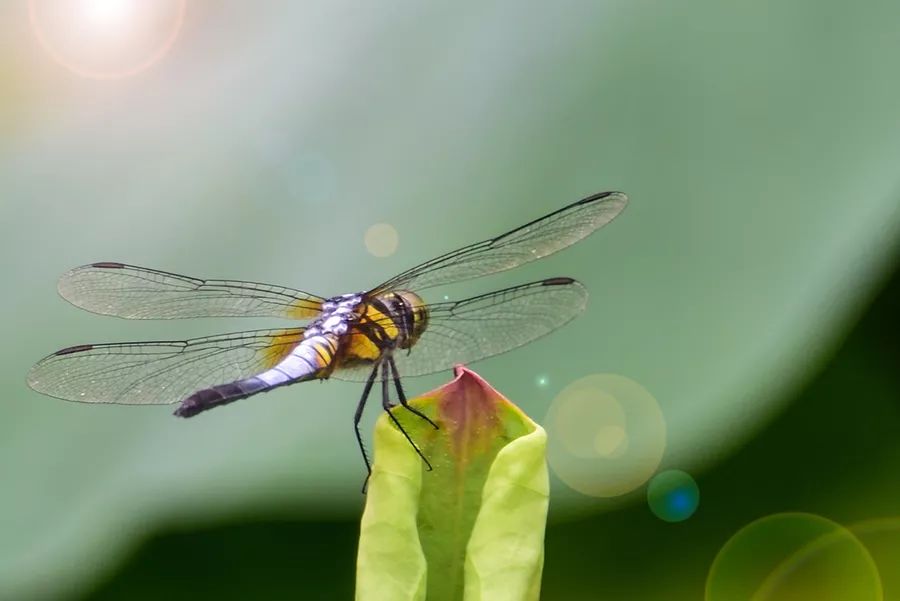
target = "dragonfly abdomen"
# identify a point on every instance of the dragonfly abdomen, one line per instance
(309, 360)
(221, 394)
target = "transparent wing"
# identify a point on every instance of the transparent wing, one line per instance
(139, 293)
(527, 243)
(142, 373)
(483, 326)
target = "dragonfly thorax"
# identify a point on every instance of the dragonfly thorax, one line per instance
(346, 302)
(405, 313)
(338, 314)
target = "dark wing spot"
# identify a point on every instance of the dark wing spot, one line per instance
(74, 349)
(594, 197)
(558, 281)
(108, 265)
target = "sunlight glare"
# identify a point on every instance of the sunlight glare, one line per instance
(106, 39)
(108, 13)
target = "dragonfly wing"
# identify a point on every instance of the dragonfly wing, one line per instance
(532, 241)
(144, 373)
(140, 293)
(483, 326)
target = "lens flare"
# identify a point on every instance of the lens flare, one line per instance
(108, 13)
(673, 495)
(881, 536)
(106, 39)
(606, 435)
(794, 557)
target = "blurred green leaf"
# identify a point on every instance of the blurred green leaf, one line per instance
(473, 527)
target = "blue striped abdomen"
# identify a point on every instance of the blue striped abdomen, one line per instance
(309, 360)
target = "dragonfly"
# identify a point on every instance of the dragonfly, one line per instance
(379, 335)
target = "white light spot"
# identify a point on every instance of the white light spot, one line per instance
(108, 13)
(105, 39)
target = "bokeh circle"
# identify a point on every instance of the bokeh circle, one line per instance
(381, 239)
(673, 495)
(606, 435)
(881, 536)
(794, 557)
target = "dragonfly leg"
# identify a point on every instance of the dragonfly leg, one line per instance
(358, 417)
(402, 397)
(386, 403)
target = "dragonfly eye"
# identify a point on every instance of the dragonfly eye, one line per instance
(420, 321)
(409, 307)
(417, 311)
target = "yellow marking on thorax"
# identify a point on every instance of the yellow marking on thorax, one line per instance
(391, 329)
(361, 347)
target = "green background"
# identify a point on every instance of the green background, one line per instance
(758, 142)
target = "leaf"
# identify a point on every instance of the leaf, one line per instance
(473, 528)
